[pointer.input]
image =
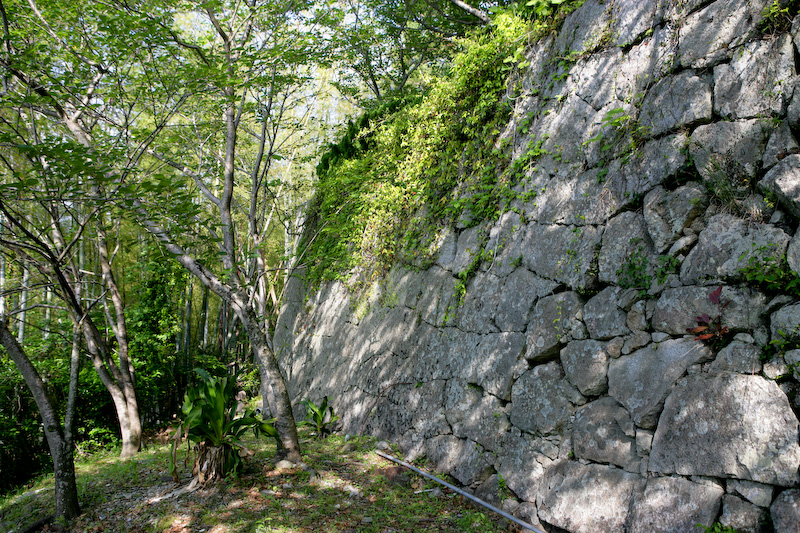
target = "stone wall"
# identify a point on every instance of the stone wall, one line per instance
(566, 371)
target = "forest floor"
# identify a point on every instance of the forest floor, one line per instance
(345, 488)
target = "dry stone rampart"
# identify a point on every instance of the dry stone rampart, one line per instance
(566, 373)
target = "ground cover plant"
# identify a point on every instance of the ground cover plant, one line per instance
(345, 487)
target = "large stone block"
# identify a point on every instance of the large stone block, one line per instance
(543, 401)
(742, 516)
(785, 512)
(632, 18)
(641, 381)
(462, 459)
(675, 102)
(603, 316)
(676, 309)
(667, 214)
(586, 366)
(603, 432)
(730, 152)
(587, 498)
(474, 415)
(562, 253)
(785, 324)
(784, 181)
(554, 321)
(494, 364)
(725, 247)
(675, 505)
(710, 35)
(522, 464)
(728, 425)
(519, 292)
(758, 81)
(625, 235)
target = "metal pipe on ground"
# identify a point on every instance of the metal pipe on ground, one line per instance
(463, 493)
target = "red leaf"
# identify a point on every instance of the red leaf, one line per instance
(704, 337)
(714, 296)
(697, 329)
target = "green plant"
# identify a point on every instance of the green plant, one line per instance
(716, 527)
(770, 271)
(667, 265)
(777, 16)
(633, 274)
(709, 329)
(619, 132)
(320, 417)
(211, 424)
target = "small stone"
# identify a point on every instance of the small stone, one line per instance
(382, 445)
(614, 347)
(287, 486)
(284, 464)
(644, 441)
(351, 491)
(775, 368)
(635, 341)
(785, 511)
(268, 492)
(659, 336)
(436, 493)
(754, 492)
(366, 520)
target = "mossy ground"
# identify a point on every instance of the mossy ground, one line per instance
(114, 496)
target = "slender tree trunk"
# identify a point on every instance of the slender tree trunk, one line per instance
(204, 319)
(23, 304)
(66, 490)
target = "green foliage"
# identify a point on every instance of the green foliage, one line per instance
(320, 417)
(716, 527)
(633, 274)
(209, 416)
(429, 163)
(777, 16)
(770, 271)
(620, 134)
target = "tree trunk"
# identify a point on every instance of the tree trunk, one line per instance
(66, 490)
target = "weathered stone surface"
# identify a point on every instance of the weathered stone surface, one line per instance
(784, 181)
(728, 425)
(781, 143)
(793, 253)
(586, 365)
(711, 34)
(758, 80)
(438, 297)
(554, 321)
(468, 246)
(741, 357)
(630, 177)
(572, 122)
(730, 151)
(676, 309)
(648, 61)
(463, 459)
(756, 493)
(631, 18)
(668, 213)
(742, 516)
(592, 84)
(625, 234)
(785, 323)
(562, 253)
(602, 315)
(520, 290)
(599, 497)
(543, 401)
(522, 464)
(603, 432)
(725, 247)
(584, 28)
(785, 511)
(475, 416)
(494, 364)
(477, 311)
(489, 491)
(642, 380)
(675, 102)
(672, 505)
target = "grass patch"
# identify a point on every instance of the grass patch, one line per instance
(346, 488)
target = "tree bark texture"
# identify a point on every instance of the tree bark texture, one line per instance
(66, 490)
